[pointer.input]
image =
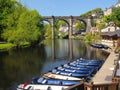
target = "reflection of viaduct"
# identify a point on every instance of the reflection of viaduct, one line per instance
(69, 20)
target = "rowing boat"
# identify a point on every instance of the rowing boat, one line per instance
(40, 87)
(81, 70)
(51, 81)
(78, 75)
(56, 76)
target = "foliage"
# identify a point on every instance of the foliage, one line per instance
(107, 19)
(22, 25)
(100, 25)
(116, 16)
(6, 46)
(61, 34)
(89, 37)
(48, 31)
(6, 7)
(59, 23)
(80, 25)
(97, 11)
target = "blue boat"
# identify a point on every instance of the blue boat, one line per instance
(83, 68)
(71, 67)
(78, 75)
(84, 64)
(49, 81)
(96, 62)
(99, 46)
(73, 70)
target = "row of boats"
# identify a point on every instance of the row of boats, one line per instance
(99, 46)
(65, 75)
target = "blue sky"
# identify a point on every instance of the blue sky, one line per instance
(66, 7)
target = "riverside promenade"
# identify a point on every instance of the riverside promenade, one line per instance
(104, 75)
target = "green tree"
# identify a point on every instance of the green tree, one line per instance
(116, 16)
(100, 25)
(97, 11)
(6, 7)
(89, 37)
(48, 31)
(80, 25)
(107, 19)
(23, 25)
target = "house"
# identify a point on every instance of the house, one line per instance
(94, 30)
(109, 10)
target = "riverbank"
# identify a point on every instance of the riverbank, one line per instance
(8, 46)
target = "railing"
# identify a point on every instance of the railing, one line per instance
(76, 87)
(114, 77)
(92, 86)
(104, 86)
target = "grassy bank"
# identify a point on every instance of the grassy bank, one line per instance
(7, 46)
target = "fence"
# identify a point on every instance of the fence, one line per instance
(92, 86)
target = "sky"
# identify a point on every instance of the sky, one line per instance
(66, 7)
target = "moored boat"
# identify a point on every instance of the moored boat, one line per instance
(66, 75)
(81, 70)
(62, 77)
(51, 81)
(99, 46)
(40, 87)
(78, 75)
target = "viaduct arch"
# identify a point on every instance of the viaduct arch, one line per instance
(69, 19)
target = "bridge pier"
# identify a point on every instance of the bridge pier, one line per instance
(89, 24)
(53, 27)
(71, 27)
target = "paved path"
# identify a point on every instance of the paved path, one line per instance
(104, 75)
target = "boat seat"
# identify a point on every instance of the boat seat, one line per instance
(52, 81)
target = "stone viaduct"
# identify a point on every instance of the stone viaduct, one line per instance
(69, 20)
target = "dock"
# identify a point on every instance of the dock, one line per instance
(104, 75)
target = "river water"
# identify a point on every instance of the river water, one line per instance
(19, 66)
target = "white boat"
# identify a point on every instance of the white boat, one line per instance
(56, 76)
(40, 87)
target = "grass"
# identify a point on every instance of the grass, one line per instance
(6, 46)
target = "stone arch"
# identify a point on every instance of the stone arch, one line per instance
(47, 21)
(81, 20)
(68, 25)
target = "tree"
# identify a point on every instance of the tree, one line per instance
(107, 19)
(116, 16)
(79, 25)
(48, 31)
(100, 25)
(97, 11)
(23, 25)
(6, 7)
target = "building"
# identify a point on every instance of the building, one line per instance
(118, 4)
(109, 10)
(94, 30)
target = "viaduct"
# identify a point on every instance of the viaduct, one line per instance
(69, 20)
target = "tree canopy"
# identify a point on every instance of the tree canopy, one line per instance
(115, 16)
(19, 24)
(97, 11)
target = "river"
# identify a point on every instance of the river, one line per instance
(19, 66)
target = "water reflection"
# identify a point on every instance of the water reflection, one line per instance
(18, 66)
